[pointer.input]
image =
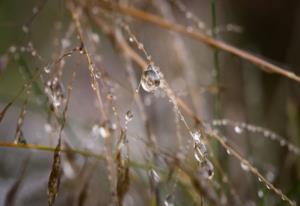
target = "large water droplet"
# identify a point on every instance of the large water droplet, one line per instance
(150, 79)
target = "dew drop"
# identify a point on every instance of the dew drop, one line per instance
(260, 193)
(128, 116)
(95, 37)
(106, 129)
(12, 49)
(238, 129)
(35, 10)
(206, 169)
(131, 39)
(196, 136)
(140, 46)
(33, 53)
(168, 201)
(270, 176)
(282, 142)
(65, 43)
(266, 133)
(188, 15)
(47, 69)
(150, 79)
(244, 166)
(25, 29)
(197, 157)
(98, 75)
(48, 128)
(154, 175)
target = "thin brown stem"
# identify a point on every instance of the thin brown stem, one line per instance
(198, 35)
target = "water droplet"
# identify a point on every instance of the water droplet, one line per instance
(25, 29)
(260, 193)
(266, 133)
(140, 46)
(282, 142)
(20, 140)
(238, 129)
(55, 91)
(33, 53)
(95, 37)
(228, 151)
(47, 69)
(131, 39)
(244, 166)
(106, 129)
(128, 116)
(12, 49)
(188, 15)
(270, 176)
(201, 25)
(196, 136)
(35, 10)
(150, 79)
(169, 201)
(200, 150)
(154, 175)
(65, 43)
(98, 75)
(48, 128)
(197, 157)
(206, 169)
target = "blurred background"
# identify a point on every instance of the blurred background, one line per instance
(33, 34)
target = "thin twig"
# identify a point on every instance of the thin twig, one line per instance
(198, 35)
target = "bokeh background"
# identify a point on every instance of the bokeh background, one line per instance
(270, 29)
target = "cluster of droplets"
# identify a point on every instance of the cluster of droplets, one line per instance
(206, 168)
(201, 25)
(150, 80)
(239, 127)
(55, 91)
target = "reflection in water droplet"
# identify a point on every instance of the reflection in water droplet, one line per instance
(150, 79)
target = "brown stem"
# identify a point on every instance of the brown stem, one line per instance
(198, 35)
